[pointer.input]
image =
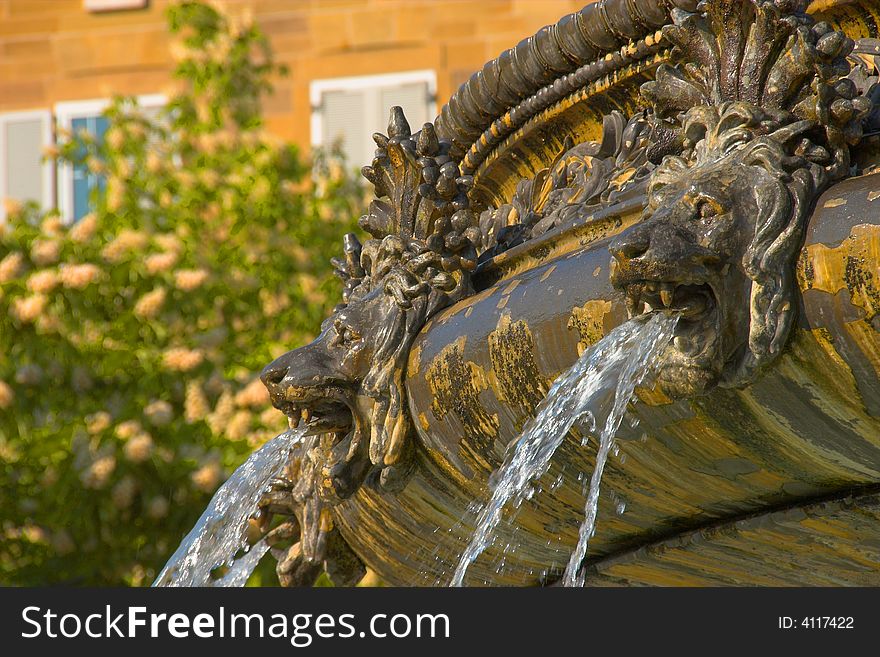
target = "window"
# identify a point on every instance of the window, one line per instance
(352, 109)
(76, 182)
(24, 175)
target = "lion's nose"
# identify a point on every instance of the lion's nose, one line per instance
(273, 374)
(631, 244)
(664, 243)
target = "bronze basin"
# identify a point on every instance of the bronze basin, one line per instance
(761, 462)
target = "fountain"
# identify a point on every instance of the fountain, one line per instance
(714, 162)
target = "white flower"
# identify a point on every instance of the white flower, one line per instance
(43, 281)
(190, 279)
(28, 309)
(11, 266)
(183, 360)
(78, 277)
(149, 305)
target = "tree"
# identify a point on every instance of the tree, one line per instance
(130, 342)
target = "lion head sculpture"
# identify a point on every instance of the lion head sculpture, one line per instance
(347, 385)
(756, 122)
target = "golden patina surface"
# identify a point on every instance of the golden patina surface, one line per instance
(589, 321)
(565, 241)
(833, 543)
(455, 386)
(515, 376)
(852, 265)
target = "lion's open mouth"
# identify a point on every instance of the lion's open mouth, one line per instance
(335, 436)
(696, 303)
(328, 411)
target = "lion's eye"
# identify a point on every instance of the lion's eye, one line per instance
(345, 335)
(708, 208)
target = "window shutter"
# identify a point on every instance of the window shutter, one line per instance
(343, 117)
(353, 109)
(412, 97)
(23, 141)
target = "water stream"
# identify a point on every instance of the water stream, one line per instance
(600, 384)
(220, 532)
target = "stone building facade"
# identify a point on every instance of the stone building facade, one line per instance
(348, 60)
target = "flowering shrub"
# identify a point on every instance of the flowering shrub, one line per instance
(131, 341)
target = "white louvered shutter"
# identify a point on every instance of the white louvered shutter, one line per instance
(343, 119)
(414, 100)
(359, 107)
(22, 169)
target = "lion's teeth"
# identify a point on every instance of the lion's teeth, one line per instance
(306, 414)
(666, 295)
(679, 342)
(648, 307)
